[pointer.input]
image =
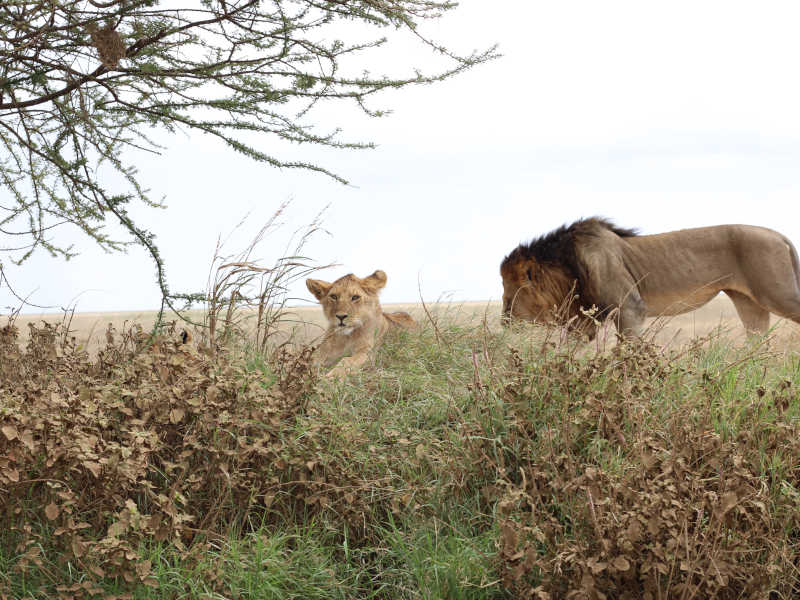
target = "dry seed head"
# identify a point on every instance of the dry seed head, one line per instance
(109, 45)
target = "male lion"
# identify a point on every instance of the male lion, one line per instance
(356, 323)
(651, 275)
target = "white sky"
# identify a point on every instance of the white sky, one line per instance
(656, 115)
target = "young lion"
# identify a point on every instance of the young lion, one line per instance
(356, 323)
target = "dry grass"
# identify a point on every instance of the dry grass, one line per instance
(306, 323)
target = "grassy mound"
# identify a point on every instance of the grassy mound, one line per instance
(464, 463)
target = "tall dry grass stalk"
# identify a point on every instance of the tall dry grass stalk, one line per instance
(245, 301)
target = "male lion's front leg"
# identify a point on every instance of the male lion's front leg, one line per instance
(631, 317)
(609, 284)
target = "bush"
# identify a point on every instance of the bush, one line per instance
(621, 479)
(151, 441)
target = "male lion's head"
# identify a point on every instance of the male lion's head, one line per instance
(534, 291)
(349, 303)
(543, 281)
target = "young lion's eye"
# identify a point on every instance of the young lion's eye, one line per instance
(334, 297)
(356, 297)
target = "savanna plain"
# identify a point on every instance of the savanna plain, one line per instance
(465, 461)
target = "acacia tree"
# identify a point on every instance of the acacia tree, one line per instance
(85, 82)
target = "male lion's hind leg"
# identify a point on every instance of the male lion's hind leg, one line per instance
(784, 303)
(754, 317)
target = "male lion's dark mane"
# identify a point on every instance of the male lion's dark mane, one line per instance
(559, 247)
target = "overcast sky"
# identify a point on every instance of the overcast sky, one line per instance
(656, 115)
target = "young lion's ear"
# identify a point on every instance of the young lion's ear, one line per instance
(375, 282)
(318, 287)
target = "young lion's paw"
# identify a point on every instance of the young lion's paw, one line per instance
(338, 373)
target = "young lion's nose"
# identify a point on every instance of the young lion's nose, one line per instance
(341, 319)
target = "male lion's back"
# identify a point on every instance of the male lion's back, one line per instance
(401, 319)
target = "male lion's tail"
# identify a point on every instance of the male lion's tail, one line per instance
(401, 319)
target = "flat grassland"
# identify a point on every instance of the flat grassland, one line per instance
(306, 323)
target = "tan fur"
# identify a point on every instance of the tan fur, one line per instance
(356, 322)
(653, 275)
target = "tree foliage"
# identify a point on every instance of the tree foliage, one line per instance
(84, 82)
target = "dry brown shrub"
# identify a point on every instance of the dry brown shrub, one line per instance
(154, 440)
(683, 513)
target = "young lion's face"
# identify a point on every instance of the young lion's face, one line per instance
(349, 303)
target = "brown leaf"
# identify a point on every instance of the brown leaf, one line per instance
(648, 461)
(509, 539)
(634, 531)
(531, 557)
(93, 467)
(420, 451)
(10, 432)
(727, 502)
(621, 563)
(27, 439)
(52, 511)
(654, 525)
(211, 394)
(143, 568)
(117, 529)
(176, 415)
(97, 571)
(595, 565)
